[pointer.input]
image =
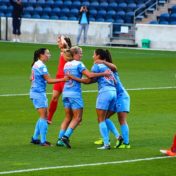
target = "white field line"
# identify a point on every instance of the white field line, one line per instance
(90, 91)
(84, 165)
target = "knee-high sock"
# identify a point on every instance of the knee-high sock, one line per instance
(37, 130)
(112, 127)
(52, 109)
(68, 132)
(125, 133)
(43, 129)
(61, 134)
(173, 148)
(104, 132)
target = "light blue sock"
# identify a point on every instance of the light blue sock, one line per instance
(37, 130)
(104, 132)
(43, 129)
(112, 127)
(125, 133)
(68, 132)
(61, 134)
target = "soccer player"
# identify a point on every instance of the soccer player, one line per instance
(106, 100)
(39, 78)
(72, 94)
(122, 107)
(63, 43)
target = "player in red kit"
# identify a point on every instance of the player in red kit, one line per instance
(63, 43)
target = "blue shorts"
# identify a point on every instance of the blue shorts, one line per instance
(123, 103)
(106, 100)
(40, 101)
(73, 103)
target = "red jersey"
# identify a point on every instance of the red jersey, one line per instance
(60, 69)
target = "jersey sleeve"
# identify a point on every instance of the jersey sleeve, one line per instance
(95, 68)
(81, 67)
(43, 70)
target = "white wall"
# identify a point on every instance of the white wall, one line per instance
(46, 31)
(161, 36)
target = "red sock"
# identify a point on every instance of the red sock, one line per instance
(173, 148)
(52, 109)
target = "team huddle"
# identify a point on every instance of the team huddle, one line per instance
(112, 96)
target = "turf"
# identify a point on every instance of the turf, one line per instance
(151, 120)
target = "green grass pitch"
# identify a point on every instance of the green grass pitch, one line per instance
(149, 76)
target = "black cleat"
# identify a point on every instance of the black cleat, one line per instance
(35, 141)
(46, 144)
(66, 141)
(119, 142)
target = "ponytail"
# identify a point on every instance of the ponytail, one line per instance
(108, 56)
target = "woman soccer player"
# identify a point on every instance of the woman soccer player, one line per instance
(39, 78)
(72, 94)
(63, 43)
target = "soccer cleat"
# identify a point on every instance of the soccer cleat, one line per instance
(60, 143)
(46, 144)
(104, 147)
(49, 122)
(124, 146)
(168, 152)
(119, 142)
(35, 141)
(99, 142)
(66, 141)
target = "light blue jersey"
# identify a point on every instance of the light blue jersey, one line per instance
(123, 98)
(106, 99)
(38, 84)
(72, 88)
(105, 83)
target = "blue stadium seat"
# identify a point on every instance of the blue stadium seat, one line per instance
(173, 17)
(129, 17)
(76, 4)
(74, 11)
(112, 6)
(131, 7)
(49, 3)
(40, 3)
(38, 10)
(119, 21)
(94, 5)
(3, 8)
(120, 14)
(63, 18)
(173, 9)
(100, 19)
(67, 4)
(36, 16)
(111, 20)
(164, 17)
(72, 18)
(173, 23)
(47, 10)
(44, 17)
(32, 2)
(153, 22)
(101, 13)
(163, 22)
(65, 11)
(92, 19)
(110, 14)
(29, 9)
(103, 5)
(93, 12)
(27, 15)
(2, 14)
(85, 3)
(122, 6)
(54, 17)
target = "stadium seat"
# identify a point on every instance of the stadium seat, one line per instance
(100, 19)
(74, 12)
(119, 21)
(110, 14)
(120, 14)
(27, 15)
(101, 13)
(103, 5)
(111, 20)
(47, 10)
(76, 4)
(129, 17)
(173, 23)
(163, 22)
(65, 11)
(94, 5)
(164, 17)
(44, 17)
(122, 6)
(54, 17)
(93, 12)
(29, 9)
(63, 18)
(172, 17)
(3, 8)
(56, 10)
(49, 3)
(72, 18)
(2, 14)
(153, 22)
(36, 16)
(131, 7)
(32, 2)
(112, 6)
(92, 19)
(38, 10)
(40, 3)
(67, 4)
(173, 9)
